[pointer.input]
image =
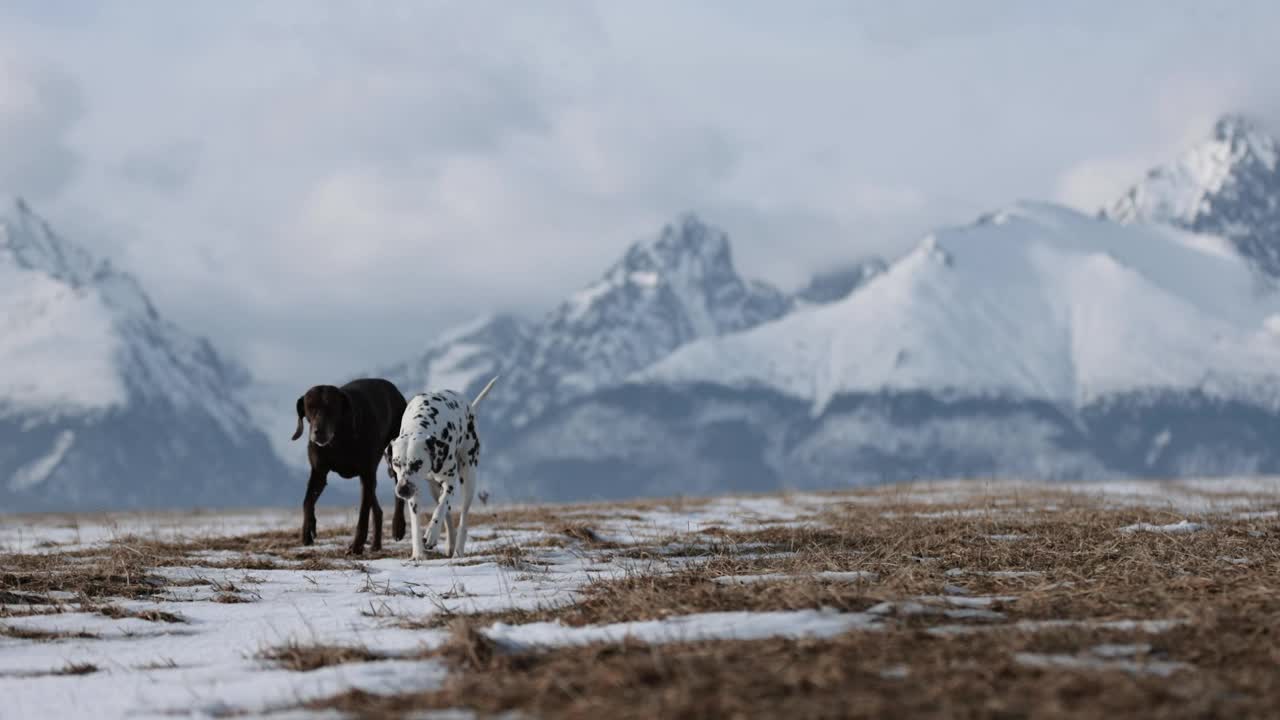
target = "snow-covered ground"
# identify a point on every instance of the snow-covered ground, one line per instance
(209, 665)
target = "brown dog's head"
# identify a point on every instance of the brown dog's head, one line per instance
(326, 408)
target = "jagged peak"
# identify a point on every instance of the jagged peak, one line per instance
(1246, 137)
(685, 253)
(1239, 151)
(687, 238)
(1233, 126)
(33, 245)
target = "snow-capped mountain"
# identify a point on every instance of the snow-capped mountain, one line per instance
(666, 291)
(105, 403)
(1037, 301)
(1228, 186)
(1036, 342)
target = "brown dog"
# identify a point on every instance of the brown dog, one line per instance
(350, 428)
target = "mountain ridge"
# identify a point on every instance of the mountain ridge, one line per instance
(104, 401)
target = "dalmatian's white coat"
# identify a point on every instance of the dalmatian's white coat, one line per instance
(438, 443)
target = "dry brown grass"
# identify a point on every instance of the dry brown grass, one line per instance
(1076, 565)
(305, 658)
(850, 676)
(150, 615)
(124, 567)
(22, 633)
(1222, 584)
(68, 669)
(585, 535)
(114, 572)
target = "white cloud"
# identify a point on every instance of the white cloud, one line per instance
(39, 106)
(1092, 185)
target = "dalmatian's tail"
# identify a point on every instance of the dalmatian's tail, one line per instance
(483, 392)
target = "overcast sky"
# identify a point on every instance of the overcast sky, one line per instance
(320, 187)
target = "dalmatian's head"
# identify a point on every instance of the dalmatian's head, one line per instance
(405, 464)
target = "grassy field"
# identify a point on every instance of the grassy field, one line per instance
(943, 600)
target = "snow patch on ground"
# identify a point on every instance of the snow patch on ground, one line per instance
(1181, 527)
(687, 628)
(1159, 668)
(825, 576)
(1149, 627)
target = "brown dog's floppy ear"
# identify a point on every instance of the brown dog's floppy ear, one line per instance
(298, 433)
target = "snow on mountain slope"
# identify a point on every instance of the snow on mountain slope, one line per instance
(1035, 302)
(1228, 185)
(100, 396)
(665, 292)
(56, 344)
(77, 334)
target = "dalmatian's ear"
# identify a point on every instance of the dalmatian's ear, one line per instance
(391, 473)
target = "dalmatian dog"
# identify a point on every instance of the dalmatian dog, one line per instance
(438, 446)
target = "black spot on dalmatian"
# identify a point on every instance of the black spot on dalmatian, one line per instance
(473, 443)
(439, 452)
(451, 404)
(447, 433)
(415, 466)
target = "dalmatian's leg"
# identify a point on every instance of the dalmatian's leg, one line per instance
(415, 529)
(448, 482)
(467, 480)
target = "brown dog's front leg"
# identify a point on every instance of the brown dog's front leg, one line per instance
(397, 520)
(362, 518)
(315, 486)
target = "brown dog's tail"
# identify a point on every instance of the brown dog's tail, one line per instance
(483, 392)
